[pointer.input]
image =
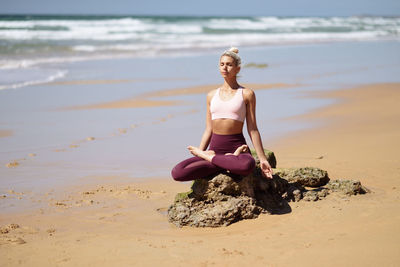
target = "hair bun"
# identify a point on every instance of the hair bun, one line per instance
(234, 50)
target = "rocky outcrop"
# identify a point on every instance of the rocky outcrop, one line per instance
(347, 187)
(223, 199)
(312, 177)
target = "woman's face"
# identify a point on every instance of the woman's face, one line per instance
(228, 67)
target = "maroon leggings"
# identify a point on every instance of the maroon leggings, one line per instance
(195, 167)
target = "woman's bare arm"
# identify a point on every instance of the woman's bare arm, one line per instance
(205, 139)
(254, 134)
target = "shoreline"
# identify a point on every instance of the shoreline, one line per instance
(112, 223)
(144, 100)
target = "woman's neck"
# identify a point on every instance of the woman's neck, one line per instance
(230, 84)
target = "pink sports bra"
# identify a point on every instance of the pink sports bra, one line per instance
(234, 109)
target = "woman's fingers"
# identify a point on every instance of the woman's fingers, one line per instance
(267, 170)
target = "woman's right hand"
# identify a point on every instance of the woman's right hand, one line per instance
(266, 169)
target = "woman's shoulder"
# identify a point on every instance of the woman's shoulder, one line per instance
(248, 93)
(212, 93)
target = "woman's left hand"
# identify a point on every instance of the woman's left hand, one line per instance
(266, 169)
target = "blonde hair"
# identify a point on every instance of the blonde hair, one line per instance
(233, 53)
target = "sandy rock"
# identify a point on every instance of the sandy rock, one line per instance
(6, 229)
(310, 196)
(223, 199)
(307, 176)
(17, 241)
(347, 187)
(293, 192)
(12, 164)
(270, 157)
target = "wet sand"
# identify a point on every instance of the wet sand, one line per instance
(144, 101)
(6, 133)
(121, 222)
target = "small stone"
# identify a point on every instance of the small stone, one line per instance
(122, 131)
(310, 196)
(13, 226)
(6, 229)
(90, 138)
(323, 193)
(32, 155)
(297, 195)
(51, 230)
(12, 164)
(19, 241)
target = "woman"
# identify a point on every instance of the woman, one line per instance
(227, 109)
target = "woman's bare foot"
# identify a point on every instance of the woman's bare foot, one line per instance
(241, 149)
(207, 155)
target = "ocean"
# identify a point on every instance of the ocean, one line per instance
(33, 47)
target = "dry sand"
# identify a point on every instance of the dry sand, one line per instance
(125, 224)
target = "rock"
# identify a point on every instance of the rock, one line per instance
(307, 176)
(18, 241)
(225, 198)
(255, 65)
(6, 229)
(270, 157)
(322, 193)
(347, 187)
(315, 194)
(293, 192)
(12, 164)
(310, 196)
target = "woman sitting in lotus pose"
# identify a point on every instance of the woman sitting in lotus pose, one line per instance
(227, 109)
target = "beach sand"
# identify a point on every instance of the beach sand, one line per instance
(6, 133)
(144, 101)
(124, 223)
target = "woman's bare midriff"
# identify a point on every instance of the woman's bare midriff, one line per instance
(226, 126)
